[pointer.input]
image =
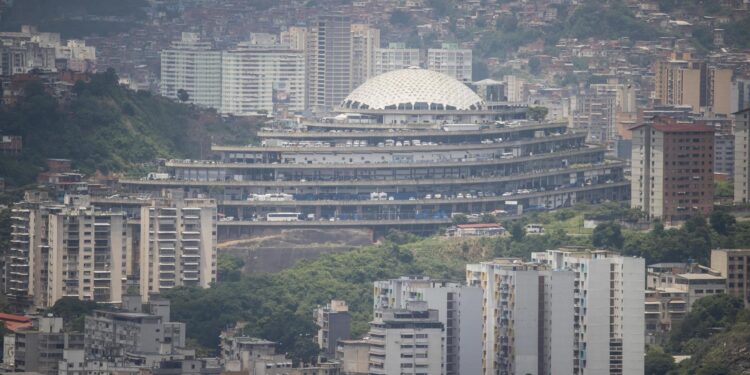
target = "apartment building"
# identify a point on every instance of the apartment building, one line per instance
(177, 244)
(527, 317)
(741, 94)
(194, 66)
(295, 37)
(406, 341)
(733, 264)
(684, 81)
(695, 280)
(262, 77)
(457, 310)
(595, 112)
(365, 41)
(395, 57)
(24, 260)
(129, 332)
(663, 309)
(329, 43)
(672, 169)
(334, 323)
(86, 258)
(38, 349)
(609, 309)
(451, 60)
(724, 154)
(741, 164)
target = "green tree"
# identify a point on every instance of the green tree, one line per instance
(400, 18)
(460, 219)
(73, 311)
(229, 267)
(608, 235)
(183, 95)
(535, 65)
(722, 221)
(538, 113)
(658, 362)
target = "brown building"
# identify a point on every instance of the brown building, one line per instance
(11, 145)
(672, 169)
(733, 264)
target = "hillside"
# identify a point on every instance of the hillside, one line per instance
(108, 128)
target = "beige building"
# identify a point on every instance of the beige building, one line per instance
(354, 356)
(733, 264)
(295, 38)
(87, 255)
(672, 169)
(683, 81)
(177, 244)
(741, 146)
(365, 41)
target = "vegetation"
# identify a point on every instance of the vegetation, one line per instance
(108, 128)
(73, 311)
(73, 18)
(607, 20)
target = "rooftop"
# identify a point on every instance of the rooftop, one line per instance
(413, 88)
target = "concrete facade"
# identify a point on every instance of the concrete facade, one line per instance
(733, 265)
(741, 148)
(194, 66)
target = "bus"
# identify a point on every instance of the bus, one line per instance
(283, 216)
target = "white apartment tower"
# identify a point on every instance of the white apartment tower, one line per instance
(194, 66)
(329, 56)
(258, 77)
(457, 310)
(451, 60)
(741, 146)
(406, 341)
(609, 309)
(178, 244)
(395, 57)
(365, 41)
(527, 317)
(87, 255)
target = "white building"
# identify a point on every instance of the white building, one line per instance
(194, 66)
(457, 307)
(527, 315)
(79, 56)
(365, 41)
(395, 57)
(406, 341)
(609, 309)
(451, 60)
(257, 77)
(177, 245)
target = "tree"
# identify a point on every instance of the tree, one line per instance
(229, 267)
(460, 219)
(535, 65)
(538, 113)
(400, 18)
(608, 235)
(658, 362)
(517, 231)
(183, 95)
(722, 221)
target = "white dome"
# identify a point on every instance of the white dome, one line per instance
(413, 89)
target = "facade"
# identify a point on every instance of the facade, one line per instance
(194, 66)
(77, 55)
(741, 157)
(683, 81)
(86, 257)
(329, 61)
(177, 244)
(395, 57)
(407, 149)
(38, 349)
(594, 111)
(334, 323)
(741, 94)
(295, 37)
(527, 317)
(258, 77)
(457, 311)
(354, 356)
(451, 60)
(664, 308)
(609, 309)
(406, 341)
(365, 43)
(672, 169)
(129, 334)
(724, 154)
(733, 265)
